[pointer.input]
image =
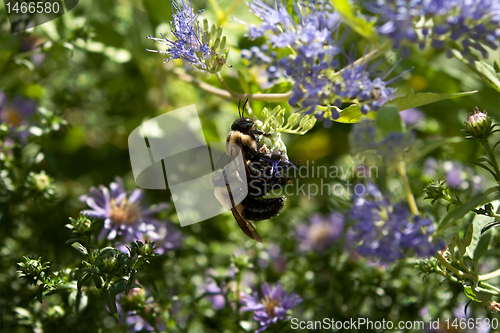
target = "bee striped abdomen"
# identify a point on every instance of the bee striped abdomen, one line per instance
(262, 209)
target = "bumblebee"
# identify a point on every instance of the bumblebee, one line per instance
(263, 174)
(244, 135)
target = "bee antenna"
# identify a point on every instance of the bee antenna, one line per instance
(239, 109)
(245, 104)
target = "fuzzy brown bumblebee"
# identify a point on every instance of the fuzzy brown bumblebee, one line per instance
(261, 177)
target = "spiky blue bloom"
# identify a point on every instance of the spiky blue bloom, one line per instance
(190, 44)
(312, 32)
(385, 231)
(271, 307)
(469, 23)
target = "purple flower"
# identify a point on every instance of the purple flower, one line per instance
(215, 293)
(320, 232)
(311, 33)
(456, 174)
(411, 116)
(188, 44)
(470, 24)
(271, 307)
(385, 231)
(125, 216)
(365, 138)
(16, 114)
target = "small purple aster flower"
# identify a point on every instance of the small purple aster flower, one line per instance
(125, 216)
(188, 44)
(320, 232)
(385, 230)
(272, 307)
(16, 114)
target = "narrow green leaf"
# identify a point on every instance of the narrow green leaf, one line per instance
(39, 292)
(479, 221)
(460, 211)
(482, 246)
(110, 297)
(81, 281)
(413, 100)
(80, 248)
(475, 295)
(97, 281)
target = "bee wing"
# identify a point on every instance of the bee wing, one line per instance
(246, 226)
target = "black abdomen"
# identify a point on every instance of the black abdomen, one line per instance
(262, 209)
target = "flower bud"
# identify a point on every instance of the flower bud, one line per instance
(478, 125)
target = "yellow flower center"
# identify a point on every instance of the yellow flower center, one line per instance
(319, 232)
(124, 213)
(270, 304)
(12, 117)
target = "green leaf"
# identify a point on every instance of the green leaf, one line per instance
(358, 24)
(482, 246)
(479, 199)
(482, 68)
(80, 248)
(389, 120)
(352, 114)
(39, 292)
(413, 100)
(476, 295)
(110, 297)
(97, 281)
(85, 276)
(478, 223)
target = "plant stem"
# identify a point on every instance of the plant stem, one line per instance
(452, 269)
(277, 98)
(489, 275)
(491, 156)
(407, 188)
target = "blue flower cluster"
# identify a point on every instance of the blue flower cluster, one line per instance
(447, 24)
(261, 57)
(364, 138)
(312, 35)
(385, 230)
(185, 27)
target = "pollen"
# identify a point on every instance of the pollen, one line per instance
(270, 304)
(124, 212)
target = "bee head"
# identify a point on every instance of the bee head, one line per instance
(243, 124)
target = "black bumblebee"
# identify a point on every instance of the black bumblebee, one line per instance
(263, 170)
